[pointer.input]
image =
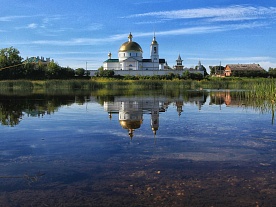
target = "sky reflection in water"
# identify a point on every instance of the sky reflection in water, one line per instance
(132, 138)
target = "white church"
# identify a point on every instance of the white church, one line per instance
(130, 61)
(131, 57)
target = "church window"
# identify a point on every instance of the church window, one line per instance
(124, 54)
(155, 49)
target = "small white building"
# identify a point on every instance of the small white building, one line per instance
(130, 57)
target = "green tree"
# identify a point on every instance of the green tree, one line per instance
(66, 73)
(52, 70)
(186, 75)
(216, 70)
(9, 57)
(80, 72)
(10, 63)
(196, 76)
(272, 72)
(104, 73)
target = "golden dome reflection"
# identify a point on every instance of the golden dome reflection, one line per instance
(129, 124)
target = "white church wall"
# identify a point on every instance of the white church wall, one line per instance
(111, 66)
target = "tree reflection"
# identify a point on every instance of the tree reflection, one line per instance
(242, 99)
(14, 107)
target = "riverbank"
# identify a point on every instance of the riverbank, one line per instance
(261, 87)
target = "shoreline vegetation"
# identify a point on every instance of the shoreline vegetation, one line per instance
(260, 88)
(260, 93)
(99, 83)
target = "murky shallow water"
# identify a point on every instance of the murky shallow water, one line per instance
(199, 150)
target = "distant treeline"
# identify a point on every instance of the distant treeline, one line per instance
(12, 67)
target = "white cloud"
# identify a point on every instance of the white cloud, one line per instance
(175, 32)
(32, 26)
(94, 27)
(11, 18)
(231, 13)
(267, 64)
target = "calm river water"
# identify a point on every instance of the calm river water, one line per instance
(203, 148)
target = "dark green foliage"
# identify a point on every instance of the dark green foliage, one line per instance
(9, 57)
(12, 68)
(79, 72)
(216, 70)
(250, 74)
(104, 73)
(272, 72)
(10, 64)
(171, 76)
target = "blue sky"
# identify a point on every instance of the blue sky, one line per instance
(74, 33)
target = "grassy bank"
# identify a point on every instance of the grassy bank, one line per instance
(260, 88)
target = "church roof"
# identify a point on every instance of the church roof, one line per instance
(111, 61)
(245, 67)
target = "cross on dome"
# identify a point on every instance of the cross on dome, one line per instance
(130, 37)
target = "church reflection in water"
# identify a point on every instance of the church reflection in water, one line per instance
(130, 110)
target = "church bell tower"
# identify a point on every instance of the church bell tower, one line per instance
(154, 51)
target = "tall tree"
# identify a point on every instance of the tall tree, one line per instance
(9, 57)
(10, 64)
(80, 72)
(53, 70)
(216, 70)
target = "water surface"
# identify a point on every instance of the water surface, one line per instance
(203, 148)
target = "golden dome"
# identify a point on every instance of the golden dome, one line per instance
(154, 42)
(130, 46)
(128, 124)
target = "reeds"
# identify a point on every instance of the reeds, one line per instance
(260, 88)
